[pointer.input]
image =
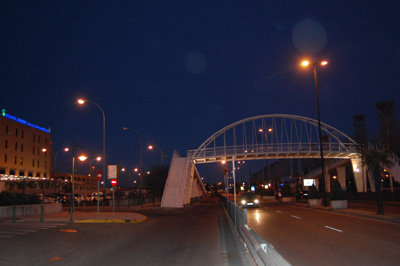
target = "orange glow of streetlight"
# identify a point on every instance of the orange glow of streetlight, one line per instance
(80, 101)
(324, 63)
(150, 147)
(305, 63)
(223, 162)
(260, 130)
(66, 149)
(136, 170)
(123, 169)
(44, 149)
(98, 158)
(269, 129)
(82, 157)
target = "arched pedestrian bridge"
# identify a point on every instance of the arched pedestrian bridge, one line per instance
(273, 136)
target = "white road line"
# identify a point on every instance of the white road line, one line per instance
(337, 230)
(297, 217)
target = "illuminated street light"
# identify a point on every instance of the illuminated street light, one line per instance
(66, 149)
(104, 174)
(306, 63)
(81, 157)
(151, 147)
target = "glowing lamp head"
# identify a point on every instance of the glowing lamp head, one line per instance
(150, 147)
(324, 63)
(305, 63)
(44, 149)
(136, 170)
(223, 162)
(82, 158)
(269, 129)
(66, 149)
(81, 101)
(123, 169)
(260, 130)
(98, 158)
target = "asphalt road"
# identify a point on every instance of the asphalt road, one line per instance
(199, 235)
(305, 236)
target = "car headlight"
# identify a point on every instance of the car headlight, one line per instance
(243, 202)
(256, 201)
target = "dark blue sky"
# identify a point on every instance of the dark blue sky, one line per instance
(177, 71)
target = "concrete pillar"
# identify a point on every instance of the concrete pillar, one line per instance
(341, 174)
(371, 181)
(359, 174)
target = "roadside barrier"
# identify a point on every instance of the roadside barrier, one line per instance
(262, 252)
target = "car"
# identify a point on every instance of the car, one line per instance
(249, 200)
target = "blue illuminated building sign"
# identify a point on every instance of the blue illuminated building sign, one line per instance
(22, 121)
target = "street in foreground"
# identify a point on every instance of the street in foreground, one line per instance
(198, 235)
(305, 236)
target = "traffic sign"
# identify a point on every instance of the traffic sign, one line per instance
(99, 175)
(114, 182)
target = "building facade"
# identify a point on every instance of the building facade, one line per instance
(25, 151)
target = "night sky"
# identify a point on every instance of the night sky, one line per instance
(178, 71)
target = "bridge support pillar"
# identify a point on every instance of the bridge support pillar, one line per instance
(341, 174)
(359, 174)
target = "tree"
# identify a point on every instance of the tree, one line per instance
(155, 181)
(374, 160)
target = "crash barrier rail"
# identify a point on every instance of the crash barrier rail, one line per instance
(263, 253)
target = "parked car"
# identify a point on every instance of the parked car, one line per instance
(248, 199)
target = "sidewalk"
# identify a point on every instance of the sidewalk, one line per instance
(388, 216)
(89, 215)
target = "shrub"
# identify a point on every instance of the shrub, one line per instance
(313, 193)
(287, 191)
(337, 191)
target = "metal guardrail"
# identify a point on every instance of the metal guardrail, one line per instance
(262, 252)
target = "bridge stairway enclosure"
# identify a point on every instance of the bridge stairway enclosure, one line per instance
(183, 183)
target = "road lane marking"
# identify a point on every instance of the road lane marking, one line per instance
(297, 217)
(337, 230)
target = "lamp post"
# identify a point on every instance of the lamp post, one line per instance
(306, 63)
(104, 176)
(140, 159)
(82, 158)
(151, 147)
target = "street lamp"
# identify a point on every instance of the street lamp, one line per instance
(140, 159)
(66, 149)
(151, 147)
(306, 63)
(81, 157)
(104, 174)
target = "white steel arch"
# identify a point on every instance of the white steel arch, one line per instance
(274, 136)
